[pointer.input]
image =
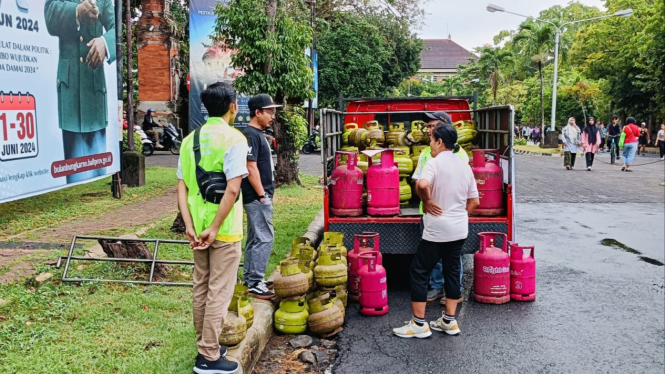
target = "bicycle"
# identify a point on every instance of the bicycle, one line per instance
(614, 149)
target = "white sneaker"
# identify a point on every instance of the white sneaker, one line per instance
(412, 330)
(588, 168)
(662, 158)
(451, 328)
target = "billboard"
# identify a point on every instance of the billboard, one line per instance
(58, 95)
(208, 63)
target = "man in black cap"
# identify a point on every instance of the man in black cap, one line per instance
(257, 191)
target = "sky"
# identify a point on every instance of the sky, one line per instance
(471, 25)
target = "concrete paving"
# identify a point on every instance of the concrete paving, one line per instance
(599, 309)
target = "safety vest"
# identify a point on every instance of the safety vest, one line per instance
(426, 155)
(216, 138)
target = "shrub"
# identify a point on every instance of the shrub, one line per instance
(138, 145)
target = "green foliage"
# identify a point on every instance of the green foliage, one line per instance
(296, 125)
(520, 141)
(272, 62)
(138, 144)
(609, 66)
(351, 59)
(269, 39)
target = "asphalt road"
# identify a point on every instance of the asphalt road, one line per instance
(599, 309)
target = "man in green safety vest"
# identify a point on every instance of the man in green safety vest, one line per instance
(436, 279)
(214, 231)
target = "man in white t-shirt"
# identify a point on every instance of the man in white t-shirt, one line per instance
(449, 193)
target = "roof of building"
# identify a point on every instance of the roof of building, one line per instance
(443, 54)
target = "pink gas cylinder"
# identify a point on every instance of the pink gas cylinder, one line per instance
(373, 286)
(522, 273)
(382, 184)
(346, 183)
(491, 270)
(489, 178)
(365, 242)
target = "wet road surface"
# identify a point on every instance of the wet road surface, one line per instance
(599, 308)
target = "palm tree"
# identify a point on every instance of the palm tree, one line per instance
(535, 43)
(490, 64)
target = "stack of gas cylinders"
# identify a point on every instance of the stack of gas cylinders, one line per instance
(312, 286)
(503, 273)
(364, 170)
(315, 284)
(380, 185)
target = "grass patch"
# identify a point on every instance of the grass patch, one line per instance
(75, 202)
(536, 149)
(111, 328)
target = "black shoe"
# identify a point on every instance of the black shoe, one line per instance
(222, 352)
(260, 291)
(221, 366)
(269, 285)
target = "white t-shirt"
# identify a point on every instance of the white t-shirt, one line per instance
(452, 183)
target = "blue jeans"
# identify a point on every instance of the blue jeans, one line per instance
(80, 144)
(436, 279)
(629, 150)
(260, 238)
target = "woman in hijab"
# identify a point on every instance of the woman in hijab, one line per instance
(572, 138)
(590, 141)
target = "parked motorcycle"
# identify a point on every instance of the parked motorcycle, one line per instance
(312, 144)
(170, 139)
(148, 146)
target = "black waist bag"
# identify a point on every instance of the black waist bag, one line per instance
(212, 184)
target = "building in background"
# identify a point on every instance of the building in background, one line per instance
(440, 58)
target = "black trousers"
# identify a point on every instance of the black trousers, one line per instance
(661, 144)
(589, 158)
(429, 253)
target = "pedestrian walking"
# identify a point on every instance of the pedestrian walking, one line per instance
(660, 141)
(449, 193)
(525, 132)
(572, 139)
(630, 143)
(536, 135)
(257, 192)
(590, 141)
(212, 215)
(645, 138)
(603, 134)
(436, 281)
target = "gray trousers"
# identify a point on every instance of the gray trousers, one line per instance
(260, 239)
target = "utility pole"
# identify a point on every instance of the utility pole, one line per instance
(116, 180)
(130, 83)
(310, 110)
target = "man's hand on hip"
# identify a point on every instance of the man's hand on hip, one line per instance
(97, 52)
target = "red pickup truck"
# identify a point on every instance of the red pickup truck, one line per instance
(401, 234)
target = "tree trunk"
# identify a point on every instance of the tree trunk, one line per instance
(271, 12)
(542, 103)
(286, 169)
(130, 249)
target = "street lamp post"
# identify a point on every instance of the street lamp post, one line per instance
(558, 30)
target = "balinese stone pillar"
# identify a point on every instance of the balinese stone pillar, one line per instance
(158, 62)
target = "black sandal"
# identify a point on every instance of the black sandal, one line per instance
(623, 168)
(629, 170)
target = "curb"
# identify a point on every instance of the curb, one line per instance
(529, 153)
(248, 352)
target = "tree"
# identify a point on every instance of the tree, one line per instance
(351, 60)
(489, 65)
(269, 39)
(535, 41)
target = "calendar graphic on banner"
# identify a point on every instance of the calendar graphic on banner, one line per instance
(18, 121)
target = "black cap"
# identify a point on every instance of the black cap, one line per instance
(630, 120)
(591, 118)
(441, 116)
(261, 101)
